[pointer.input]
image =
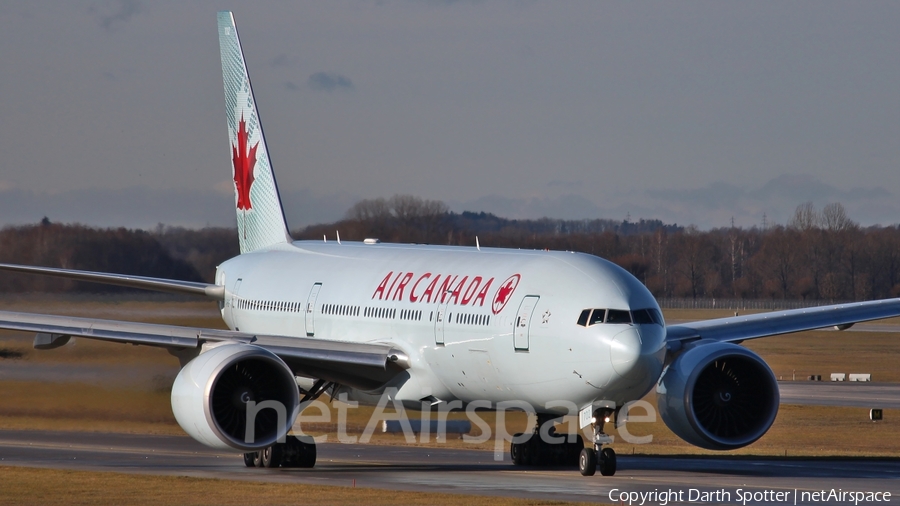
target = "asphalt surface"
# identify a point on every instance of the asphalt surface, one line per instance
(467, 471)
(835, 393)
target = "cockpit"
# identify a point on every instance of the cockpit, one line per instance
(590, 317)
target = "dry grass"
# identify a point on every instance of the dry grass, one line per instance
(51, 487)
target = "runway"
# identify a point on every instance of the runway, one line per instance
(835, 393)
(460, 470)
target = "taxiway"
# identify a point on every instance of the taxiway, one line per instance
(455, 470)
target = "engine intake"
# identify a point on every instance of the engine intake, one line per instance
(718, 396)
(216, 394)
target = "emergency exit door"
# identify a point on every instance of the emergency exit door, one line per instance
(522, 323)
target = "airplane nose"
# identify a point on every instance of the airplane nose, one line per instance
(625, 350)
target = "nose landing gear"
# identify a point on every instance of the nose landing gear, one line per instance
(596, 456)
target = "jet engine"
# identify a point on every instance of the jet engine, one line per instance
(236, 396)
(718, 396)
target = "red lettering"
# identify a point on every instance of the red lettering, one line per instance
(431, 286)
(398, 295)
(483, 293)
(380, 289)
(470, 291)
(458, 290)
(391, 289)
(445, 287)
(412, 293)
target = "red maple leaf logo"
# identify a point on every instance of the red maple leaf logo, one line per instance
(244, 162)
(503, 293)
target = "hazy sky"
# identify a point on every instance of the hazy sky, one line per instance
(111, 112)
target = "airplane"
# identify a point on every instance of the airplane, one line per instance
(563, 332)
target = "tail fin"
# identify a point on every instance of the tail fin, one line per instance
(260, 217)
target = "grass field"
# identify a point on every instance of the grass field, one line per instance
(144, 407)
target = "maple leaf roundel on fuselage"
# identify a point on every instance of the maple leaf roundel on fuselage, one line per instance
(244, 162)
(504, 293)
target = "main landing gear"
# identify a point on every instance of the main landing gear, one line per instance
(533, 450)
(596, 456)
(294, 452)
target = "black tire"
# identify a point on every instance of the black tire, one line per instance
(257, 458)
(515, 453)
(307, 456)
(249, 459)
(536, 457)
(587, 462)
(607, 462)
(526, 450)
(272, 456)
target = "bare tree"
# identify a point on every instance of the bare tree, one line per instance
(806, 217)
(835, 219)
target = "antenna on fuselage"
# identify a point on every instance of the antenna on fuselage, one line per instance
(477, 246)
(338, 233)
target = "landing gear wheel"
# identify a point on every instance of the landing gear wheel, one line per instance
(272, 456)
(249, 459)
(257, 458)
(515, 451)
(587, 462)
(526, 452)
(607, 462)
(304, 451)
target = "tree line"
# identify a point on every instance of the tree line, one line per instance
(818, 255)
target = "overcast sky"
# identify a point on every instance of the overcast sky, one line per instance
(111, 112)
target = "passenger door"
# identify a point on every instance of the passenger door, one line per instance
(522, 323)
(440, 320)
(311, 310)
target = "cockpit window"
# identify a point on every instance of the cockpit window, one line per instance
(597, 317)
(647, 316)
(583, 317)
(641, 316)
(618, 316)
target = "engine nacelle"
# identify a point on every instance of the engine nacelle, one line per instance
(718, 396)
(214, 393)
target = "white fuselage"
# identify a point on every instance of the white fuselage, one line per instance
(477, 324)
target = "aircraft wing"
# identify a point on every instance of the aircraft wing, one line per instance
(358, 365)
(215, 292)
(739, 328)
